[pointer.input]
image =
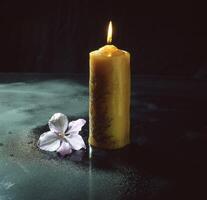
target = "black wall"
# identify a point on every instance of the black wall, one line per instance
(164, 38)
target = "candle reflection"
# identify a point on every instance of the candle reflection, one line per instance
(90, 192)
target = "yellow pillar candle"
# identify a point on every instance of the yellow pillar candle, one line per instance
(109, 96)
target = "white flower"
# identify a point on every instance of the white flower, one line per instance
(63, 136)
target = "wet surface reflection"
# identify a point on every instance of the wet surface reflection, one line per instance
(165, 160)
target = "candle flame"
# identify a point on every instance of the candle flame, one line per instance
(109, 35)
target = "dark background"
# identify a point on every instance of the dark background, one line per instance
(163, 37)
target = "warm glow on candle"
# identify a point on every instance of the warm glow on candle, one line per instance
(109, 96)
(109, 35)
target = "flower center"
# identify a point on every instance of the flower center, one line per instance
(61, 135)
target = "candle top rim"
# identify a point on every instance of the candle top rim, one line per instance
(109, 51)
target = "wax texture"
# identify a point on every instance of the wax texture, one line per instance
(109, 98)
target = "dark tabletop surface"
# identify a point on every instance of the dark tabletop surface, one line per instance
(165, 160)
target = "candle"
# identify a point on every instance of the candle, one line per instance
(109, 96)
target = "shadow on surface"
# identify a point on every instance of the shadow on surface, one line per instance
(165, 160)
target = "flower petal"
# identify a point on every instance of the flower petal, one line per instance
(75, 126)
(76, 142)
(48, 141)
(65, 148)
(58, 123)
